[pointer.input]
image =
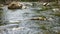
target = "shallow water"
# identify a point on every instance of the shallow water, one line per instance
(19, 18)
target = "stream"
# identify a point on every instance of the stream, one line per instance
(18, 21)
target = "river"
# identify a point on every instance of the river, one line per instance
(18, 21)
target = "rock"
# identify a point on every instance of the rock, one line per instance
(46, 4)
(15, 5)
(38, 18)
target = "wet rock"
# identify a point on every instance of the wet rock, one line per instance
(15, 5)
(46, 4)
(38, 18)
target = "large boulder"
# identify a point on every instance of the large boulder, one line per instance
(15, 5)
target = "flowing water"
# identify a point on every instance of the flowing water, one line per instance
(18, 21)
